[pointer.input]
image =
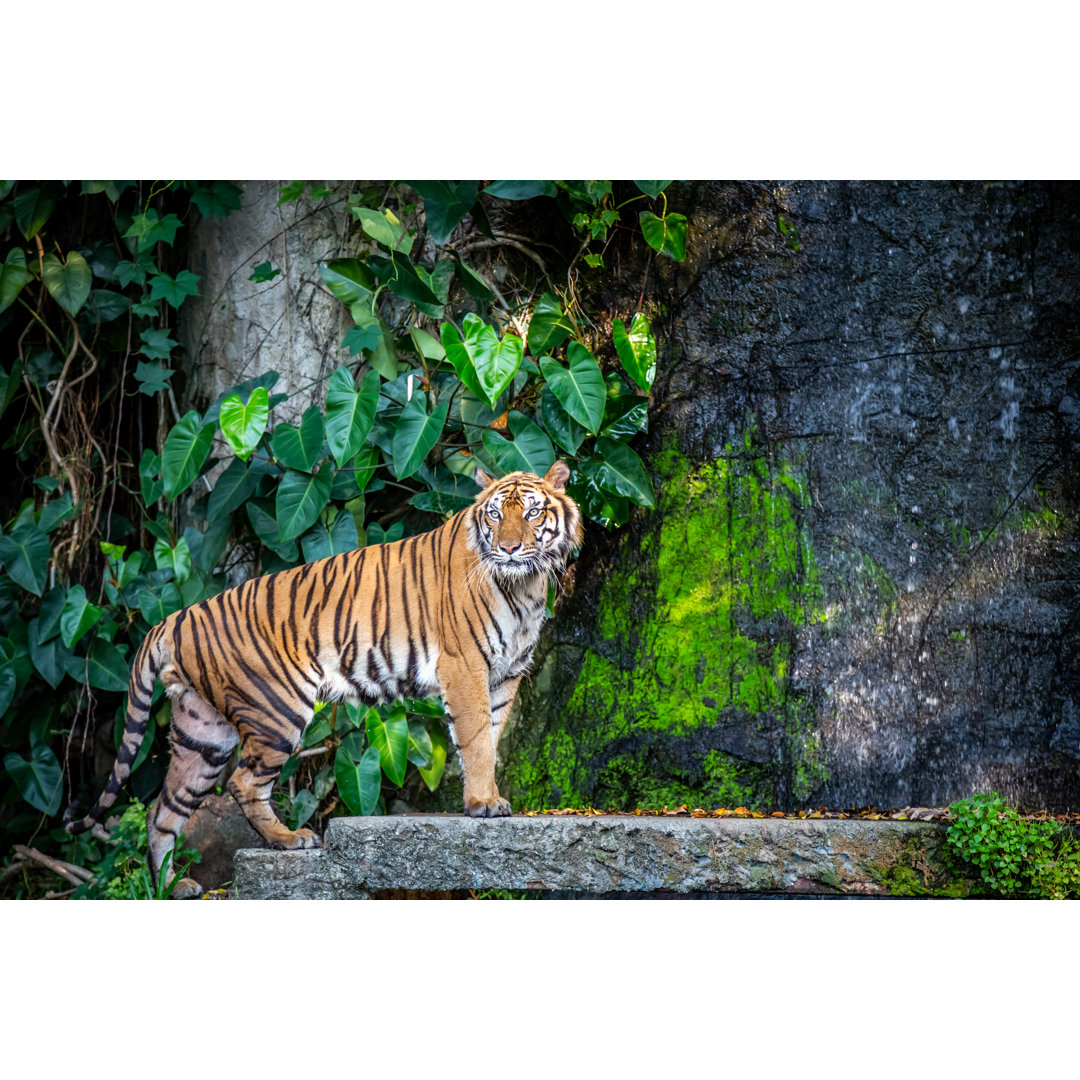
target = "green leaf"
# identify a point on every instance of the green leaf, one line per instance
(108, 668)
(128, 272)
(300, 498)
(485, 364)
(350, 414)
(78, 616)
(173, 290)
(299, 448)
(13, 276)
(149, 471)
(8, 687)
(581, 389)
(473, 283)
(304, 805)
(432, 774)
(359, 782)
(263, 272)
(243, 425)
(549, 326)
(559, 424)
(33, 206)
(440, 502)
(367, 334)
(420, 751)
(530, 450)
(51, 609)
(517, 190)
(416, 433)
(105, 305)
(391, 738)
(401, 278)
(218, 200)
(666, 235)
(321, 542)
(186, 448)
(56, 512)
(175, 558)
(68, 282)
(266, 529)
(637, 350)
(156, 344)
(51, 657)
(156, 605)
(149, 228)
(622, 471)
(25, 554)
(39, 780)
(233, 487)
(652, 188)
(349, 280)
(290, 192)
(445, 204)
(624, 417)
(267, 379)
(317, 730)
(152, 378)
(381, 225)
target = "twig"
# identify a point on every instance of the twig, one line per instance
(313, 751)
(59, 895)
(69, 872)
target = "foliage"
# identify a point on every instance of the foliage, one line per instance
(1013, 857)
(109, 527)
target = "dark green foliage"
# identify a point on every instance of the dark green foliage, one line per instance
(1013, 857)
(438, 373)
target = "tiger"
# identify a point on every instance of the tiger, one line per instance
(455, 611)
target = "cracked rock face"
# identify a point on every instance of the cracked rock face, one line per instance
(882, 380)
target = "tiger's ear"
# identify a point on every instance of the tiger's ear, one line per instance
(482, 479)
(557, 476)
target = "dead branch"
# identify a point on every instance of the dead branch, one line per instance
(76, 875)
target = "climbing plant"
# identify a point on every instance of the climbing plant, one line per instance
(122, 509)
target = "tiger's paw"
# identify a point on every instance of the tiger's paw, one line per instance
(302, 838)
(187, 889)
(495, 807)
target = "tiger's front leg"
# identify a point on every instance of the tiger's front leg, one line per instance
(468, 708)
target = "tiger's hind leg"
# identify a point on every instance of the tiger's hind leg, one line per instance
(261, 759)
(202, 742)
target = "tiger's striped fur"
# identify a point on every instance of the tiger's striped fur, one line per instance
(456, 610)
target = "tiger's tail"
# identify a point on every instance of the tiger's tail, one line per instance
(144, 670)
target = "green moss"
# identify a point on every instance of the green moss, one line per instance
(695, 631)
(920, 869)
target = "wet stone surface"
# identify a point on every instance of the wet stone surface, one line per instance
(599, 855)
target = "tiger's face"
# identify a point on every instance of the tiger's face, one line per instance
(526, 525)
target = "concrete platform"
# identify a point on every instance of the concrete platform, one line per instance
(598, 855)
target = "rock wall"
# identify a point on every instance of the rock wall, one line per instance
(862, 581)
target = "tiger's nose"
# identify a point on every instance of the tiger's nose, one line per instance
(511, 547)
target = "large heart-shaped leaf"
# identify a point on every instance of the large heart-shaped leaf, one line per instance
(51, 658)
(416, 433)
(485, 364)
(25, 555)
(32, 209)
(233, 487)
(78, 616)
(299, 448)
(175, 558)
(243, 425)
(529, 451)
(636, 349)
(39, 780)
(321, 542)
(381, 225)
(300, 498)
(651, 188)
(402, 279)
(52, 607)
(359, 781)
(518, 190)
(107, 667)
(267, 530)
(559, 424)
(391, 738)
(445, 204)
(185, 452)
(349, 413)
(420, 751)
(13, 276)
(348, 279)
(68, 282)
(622, 471)
(581, 389)
(550, 326)
(666, 235)
(160, 603)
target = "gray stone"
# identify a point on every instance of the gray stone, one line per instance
(607, 854)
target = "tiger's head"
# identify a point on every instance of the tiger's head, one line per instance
(524, 525)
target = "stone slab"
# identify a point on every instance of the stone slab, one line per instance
(596, 855)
